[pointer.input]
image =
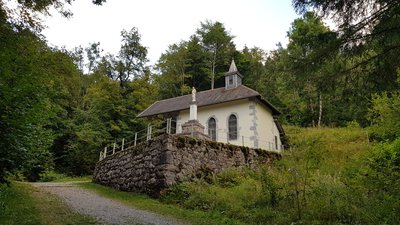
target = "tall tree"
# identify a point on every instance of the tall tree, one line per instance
(307, 37)
(173, 66)
(369, 38)
(38, 85)
(197, 59)
(129, 64)
(132, 56)
(93, 55)
(218, 42)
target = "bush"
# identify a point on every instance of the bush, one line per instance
(51, 175)
(384, 116)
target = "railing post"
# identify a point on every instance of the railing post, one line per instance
(135, 139)
(114, 149)
(148, 132)
(151, 128)
(169, 125)
(242, 140)
(105, 152)
(101, 156)
(123, 141)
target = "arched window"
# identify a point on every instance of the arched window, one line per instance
(232, 127)
(212, 129)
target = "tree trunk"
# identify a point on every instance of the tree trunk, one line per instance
(213, 69)
(320, 111)
(312, 114)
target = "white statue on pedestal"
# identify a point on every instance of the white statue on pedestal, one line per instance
(193, 94)
(193, 106)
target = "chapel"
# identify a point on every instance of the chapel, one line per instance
(234, 114)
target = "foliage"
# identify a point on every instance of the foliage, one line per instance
(219, 46)
(368, 40)
(200, 62)
(55, 117)
(384, 116)
(24, 14)
(174, 65)
(330, 176)
(31, 100)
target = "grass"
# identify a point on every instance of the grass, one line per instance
(22, 203)
(195, 217)
(308, 186)
(59, 177)
(17, 205)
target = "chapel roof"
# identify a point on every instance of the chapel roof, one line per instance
(205, 98)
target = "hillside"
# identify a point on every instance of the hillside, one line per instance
(322, 179)
(329, 176)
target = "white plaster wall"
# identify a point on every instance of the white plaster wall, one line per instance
(267, 128)
(248, 113)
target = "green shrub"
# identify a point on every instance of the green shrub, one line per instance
(48, 176)
(384, 116)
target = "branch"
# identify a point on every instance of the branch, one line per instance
(371, 59)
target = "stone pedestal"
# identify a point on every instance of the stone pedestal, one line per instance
(194, 129)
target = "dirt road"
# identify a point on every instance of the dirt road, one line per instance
(105, 210)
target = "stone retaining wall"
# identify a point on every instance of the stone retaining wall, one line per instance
(163, 161)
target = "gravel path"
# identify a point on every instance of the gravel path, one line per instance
(105, 210)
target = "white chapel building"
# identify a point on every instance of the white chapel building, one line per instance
(233, 114)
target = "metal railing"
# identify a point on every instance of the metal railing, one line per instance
(241, 140)
(153, 131)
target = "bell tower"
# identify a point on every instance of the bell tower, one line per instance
(233, 78)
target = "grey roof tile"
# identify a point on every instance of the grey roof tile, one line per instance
(204, 98)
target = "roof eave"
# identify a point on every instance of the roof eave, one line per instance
(141, 115)
(275, 111)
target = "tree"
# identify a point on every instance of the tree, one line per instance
(251, 63)
(218, 42)
(173, 66)
(307, 37)
(132, 56)
(37, 88)
(129, 64)
(367, 30)
(198, 70)
(93, 55)
(369, 38)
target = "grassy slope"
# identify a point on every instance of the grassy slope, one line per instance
(24, 204)
(337, 146)
(305, 186)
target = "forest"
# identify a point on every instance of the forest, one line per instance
(59, 107)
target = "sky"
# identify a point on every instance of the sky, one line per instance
(260, 23)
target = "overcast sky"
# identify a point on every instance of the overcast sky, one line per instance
(261, 23)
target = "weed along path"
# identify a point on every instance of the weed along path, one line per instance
(106, 211)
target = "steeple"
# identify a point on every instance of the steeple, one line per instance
(233, 78)
(233, 67)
